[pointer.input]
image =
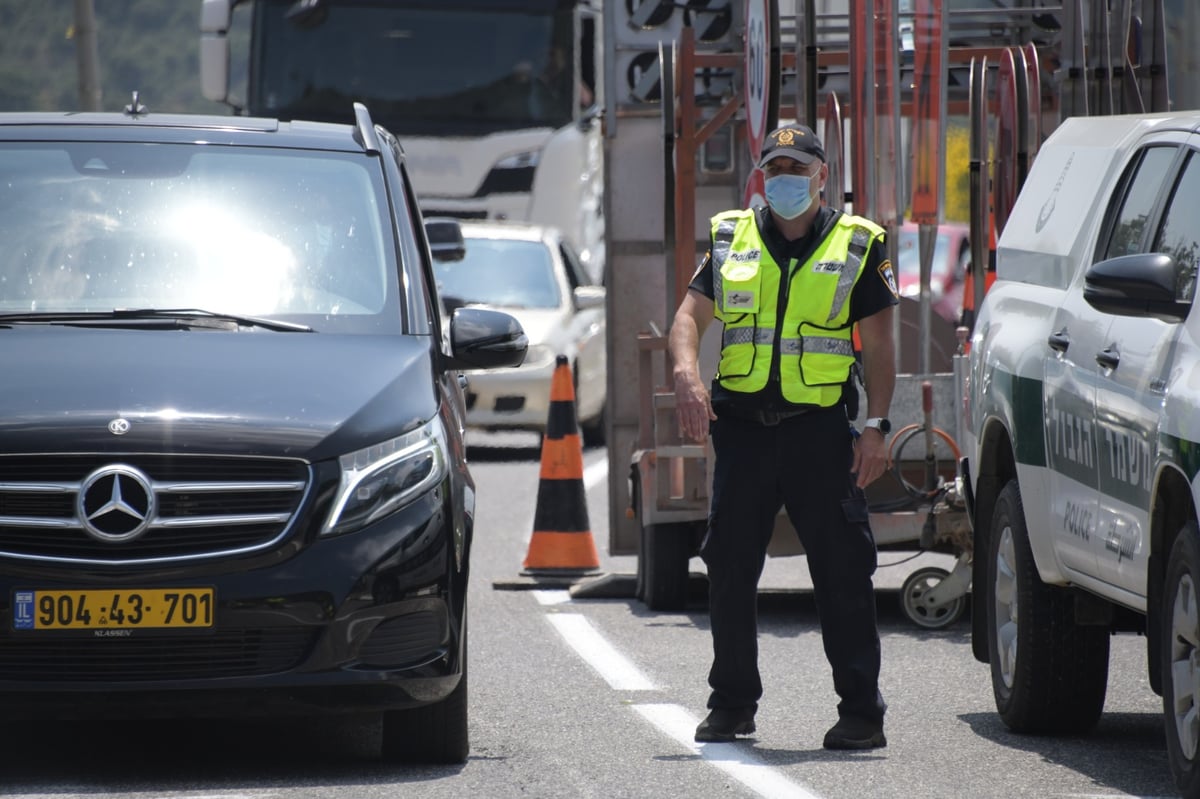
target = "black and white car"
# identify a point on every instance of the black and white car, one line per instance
(1083, 409)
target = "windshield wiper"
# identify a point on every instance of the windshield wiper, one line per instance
(192, 317)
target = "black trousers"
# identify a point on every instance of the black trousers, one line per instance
(801, 464)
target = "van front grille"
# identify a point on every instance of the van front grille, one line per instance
(60, 508)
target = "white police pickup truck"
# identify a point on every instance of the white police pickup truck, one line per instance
(1083, 416)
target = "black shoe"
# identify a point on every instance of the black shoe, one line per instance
(723, 724)
(855, 733)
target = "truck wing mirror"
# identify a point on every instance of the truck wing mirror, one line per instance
(215, 18)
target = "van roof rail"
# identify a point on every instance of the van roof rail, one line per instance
(365, 130)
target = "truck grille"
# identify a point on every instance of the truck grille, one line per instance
(61, 508)
(225, 653)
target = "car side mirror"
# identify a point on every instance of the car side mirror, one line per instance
(589, 297)
(1144, 284)
(445, 239)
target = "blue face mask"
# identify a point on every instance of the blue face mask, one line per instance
(789, 195)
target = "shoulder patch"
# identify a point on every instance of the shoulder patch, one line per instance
(740, 300)
(889, 277)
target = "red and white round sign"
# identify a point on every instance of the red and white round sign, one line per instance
(757, 74)
(756, 189)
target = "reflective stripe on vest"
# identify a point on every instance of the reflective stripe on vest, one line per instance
(815, 347)
(722, 241)
(791, 346)
(859, 241)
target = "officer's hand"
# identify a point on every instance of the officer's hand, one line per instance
(692, 406)
(870, 456)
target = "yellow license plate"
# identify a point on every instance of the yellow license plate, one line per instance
(109, 609)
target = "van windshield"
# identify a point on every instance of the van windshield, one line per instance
(98, 226)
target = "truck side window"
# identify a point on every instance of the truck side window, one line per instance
(1129, 230)
(1179, 236)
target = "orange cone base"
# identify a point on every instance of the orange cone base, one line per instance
(562, 552)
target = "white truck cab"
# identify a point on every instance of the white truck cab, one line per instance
(1083, 430)
(497, 104)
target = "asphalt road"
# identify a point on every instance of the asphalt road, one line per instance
(599, 698)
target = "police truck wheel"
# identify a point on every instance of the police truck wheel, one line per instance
(663, 565)
(918, 609)
(1181, 660)
(1049, 674)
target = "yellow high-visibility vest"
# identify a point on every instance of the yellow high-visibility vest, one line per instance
(814, 336)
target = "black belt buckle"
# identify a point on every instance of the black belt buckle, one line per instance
(770, 418)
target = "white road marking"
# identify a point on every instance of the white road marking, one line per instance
(595, 474)
(617, 670)
(620, 673)
(547, 597)
(173, 795)
(734, 760)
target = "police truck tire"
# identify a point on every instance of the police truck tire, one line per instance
(1049, 674)
(1180, 641)
(663, 566)
(430, 734)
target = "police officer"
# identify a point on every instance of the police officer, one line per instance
(789, 281)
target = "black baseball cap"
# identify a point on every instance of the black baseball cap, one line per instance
(792, 141)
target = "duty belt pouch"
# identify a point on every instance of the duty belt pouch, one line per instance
(850, 395)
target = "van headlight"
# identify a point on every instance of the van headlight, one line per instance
(380, 479)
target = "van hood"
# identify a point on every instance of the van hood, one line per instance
(302, 395)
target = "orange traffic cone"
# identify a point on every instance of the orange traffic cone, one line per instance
(562, 539)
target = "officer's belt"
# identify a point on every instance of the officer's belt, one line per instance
(765, 418)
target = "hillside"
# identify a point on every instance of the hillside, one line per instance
(148, 45)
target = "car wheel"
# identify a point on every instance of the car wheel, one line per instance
(665, 550)
(1181, 660)
(594, 433)
(1049, 674)
(435, 733)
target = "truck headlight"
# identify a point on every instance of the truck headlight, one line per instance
(525, 160)
(380, 479)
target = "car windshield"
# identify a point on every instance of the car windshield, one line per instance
(909, 256)
(502, 272)
(97, 226)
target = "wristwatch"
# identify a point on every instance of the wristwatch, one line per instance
(880, 423)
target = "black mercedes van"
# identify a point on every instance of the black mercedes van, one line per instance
(232, 471)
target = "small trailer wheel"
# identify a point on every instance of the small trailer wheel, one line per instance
(919, 610)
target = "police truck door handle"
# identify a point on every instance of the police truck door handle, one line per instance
(1059, 341)
(1108, 358)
